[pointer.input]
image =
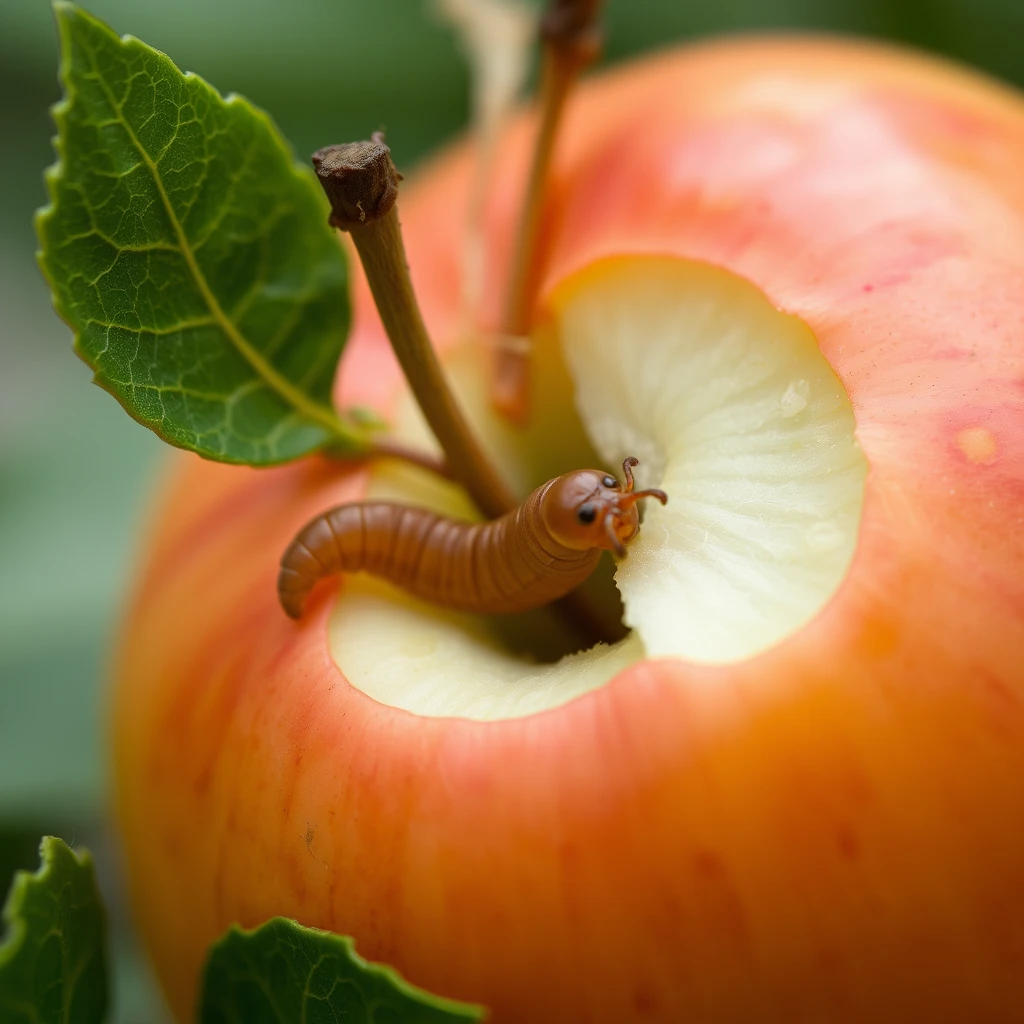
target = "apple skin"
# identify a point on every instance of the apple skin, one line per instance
(831, 831)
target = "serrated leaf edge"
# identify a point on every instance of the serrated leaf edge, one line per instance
(326, 417)
(405, 987)
(50, 848)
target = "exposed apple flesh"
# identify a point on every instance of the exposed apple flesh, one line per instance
(740, 417)
(731, 408)
(829, 830)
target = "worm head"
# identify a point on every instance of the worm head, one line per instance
(591, 509)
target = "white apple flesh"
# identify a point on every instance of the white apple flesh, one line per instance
(730, 407)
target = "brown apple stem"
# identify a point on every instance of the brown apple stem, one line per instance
(571, 41)
(361, 183)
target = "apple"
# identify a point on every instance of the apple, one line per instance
(788, 275)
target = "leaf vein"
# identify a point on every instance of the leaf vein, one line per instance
(277, 381)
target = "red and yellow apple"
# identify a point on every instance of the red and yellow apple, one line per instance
(789, 276)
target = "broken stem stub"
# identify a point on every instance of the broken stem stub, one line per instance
(361, 183)
(573, 28)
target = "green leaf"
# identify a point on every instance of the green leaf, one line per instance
(191, 255)
(53, 966)
(282, 973)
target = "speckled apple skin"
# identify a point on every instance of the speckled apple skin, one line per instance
(831, 831)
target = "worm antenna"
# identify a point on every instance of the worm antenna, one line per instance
(630, 499)
(627, 470)
(609, 525)
(651, 492)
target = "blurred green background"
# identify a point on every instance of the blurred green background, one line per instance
(75, 472)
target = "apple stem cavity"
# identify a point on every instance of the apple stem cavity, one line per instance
(571, 40)
(361, 182)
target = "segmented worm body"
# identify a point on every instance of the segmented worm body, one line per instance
(532, 555)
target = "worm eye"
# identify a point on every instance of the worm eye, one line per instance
(586, 514)
(610, 481)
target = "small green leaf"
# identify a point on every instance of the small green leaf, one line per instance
(282, 973)
(53, 966)
(191, 255)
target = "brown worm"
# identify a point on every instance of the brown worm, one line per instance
(532, 555)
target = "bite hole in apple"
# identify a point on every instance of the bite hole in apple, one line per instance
(730, 407)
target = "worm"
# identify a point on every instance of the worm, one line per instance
(534, 554)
